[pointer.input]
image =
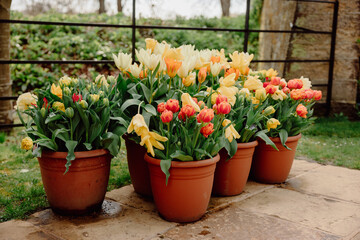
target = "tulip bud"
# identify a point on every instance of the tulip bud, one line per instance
(221, 98)
(69, 112)
(111, 80)
(269, 110)
(101, 93)
(106, 102)
(207, 130)
(172, 105)
(94, 97)
(43, 112)
(260, 94)
(84, 104)
(88, 87)
(205, 115)
(223, 108)
(161, 107)
(166, 116)
(301, 111)
(67, 91)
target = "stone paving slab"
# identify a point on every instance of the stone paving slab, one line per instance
(17, 230)
(336, 182)
(235, 223)
(336, 217)
(300, 167)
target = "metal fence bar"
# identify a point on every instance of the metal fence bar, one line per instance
(133, 39)
(163, 27)
(332, 58)
(247, 18)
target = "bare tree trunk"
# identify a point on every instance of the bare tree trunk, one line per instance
(102, 6)
(225, 7)
(119, 6)
(5, 81)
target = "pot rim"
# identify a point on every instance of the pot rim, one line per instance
(290, 139)
(248, 144)
(78, 155)
(187, 164)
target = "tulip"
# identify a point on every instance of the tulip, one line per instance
(46, 103)
(245, 92)
(84, 104)
(166, 116)
(195, 100)
(230, 131)
(161, 107)
(182, 116)
(69, 112)
(151, 140)
(25, 100)
(279, 95)
(229, 92)
(271, 73)
(43, 112)
(286, 90)
(186, 99)
(275, 81)
(223, 108)
(255, 101)
(122, 61)
(59, 106)
(265, 84)
(153, 62)
(189, 80)
(67, 91)
(138, 125)
(65, 81)
(27, 143)
(135, 70)
(150, 43)
(143, 74)
(221, 98)
(94, 97)
(272, 123)
(253, 83)
(260, 94)
(172, 105)
(202, 74)
(205, 115)
(106, 102)
(232, 70)
(295, 84)
(270, 89)
(306, 83)
(283, 83)
(215, 59)
(215, 68)
(201, 104)
(143, 56)
(269, 110)
(207, 130)
(56, 90)
(228, 81)
(317, 95)
(241, 61)
(172, 66)
(188, 110)
(296, 94)
(309, 93)
(76, 97)
(301, 111)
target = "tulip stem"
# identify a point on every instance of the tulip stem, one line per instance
(168, 142)
(71, 130)
(170, 84)
(199, 87)
(140, 106)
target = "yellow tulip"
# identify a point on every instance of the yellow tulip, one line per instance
(150, 43)
(255, 101)
(272, 123)
(59, 106)
(271, 73)
(25, 100)
(138, 124)
(186, 99)
(245, 92)
(100, 80)
(215, 68)
(230, 132)
(260, 94)
(65, 81)
(279, 95)
(269, 110)
(56, 90)
(151, 140)
(27, 143)
(241, 61)
(94, 97)
(253, 83)
(229, 81)
(189, 80)
(214, 96)
(174, 53)
(229, 92)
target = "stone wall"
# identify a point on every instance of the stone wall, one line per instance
(315, 16)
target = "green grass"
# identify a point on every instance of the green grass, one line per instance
(333, 141)
(21, 189)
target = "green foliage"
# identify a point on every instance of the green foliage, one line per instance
(2, 137)
(48, 42)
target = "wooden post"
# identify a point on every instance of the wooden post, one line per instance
(6, 107)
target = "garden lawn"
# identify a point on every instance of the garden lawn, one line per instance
(21, 189)
(333, 141)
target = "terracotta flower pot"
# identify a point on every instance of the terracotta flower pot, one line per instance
(139, 171)
(187, 194)
(231, 175)
(270, 165)
(82, 189)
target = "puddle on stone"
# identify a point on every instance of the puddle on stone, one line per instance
(109, 209)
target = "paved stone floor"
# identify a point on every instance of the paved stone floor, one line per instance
(316, 202)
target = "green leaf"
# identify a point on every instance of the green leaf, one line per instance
(120, 120)
(178, 154)
(150, 109)
(57, 132)
(283, 138)
(165, 166)
(263, 136)
(88, 146)
(111, 142)
(161, 90)
(146, 92)
(53, 117)
(70, 145)
(128, 103)
(37, 151)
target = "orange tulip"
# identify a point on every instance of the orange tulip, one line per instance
(161, 107)
(207, 130)
(166, 116)
(188, 110)
(202, 74)
(317, 95)
(172, 105)
(205, 115)
(301, 111)
(172, 66)
(271, 89)
(223, 108)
